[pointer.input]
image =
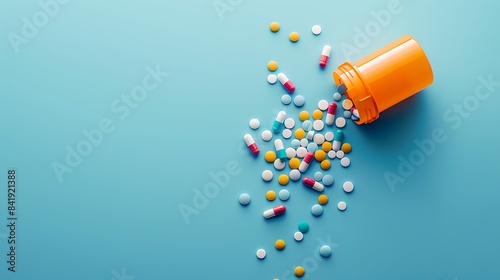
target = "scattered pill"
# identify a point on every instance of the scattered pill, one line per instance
(299, 100)
(298, 236)
(340, 122)
(331, 154)
(261, 254)
(337, 96)
(307, 125)
(339, 154)
(341, 206)
(280, 149)
(254, 123)
(347, 104)
(294, 163)
(312, 147)
(274, 26)
(299, 271)
(325, 251)
(320, 155)
(278, 210)
(252, 146)
(304, 142)
(303, 115)
(348, 186)
(317, 114)
(329, 136)
(355, 111)
(284, 195)
(270, 195)
(341, 89)
(318, 176)
(323, 105)
(327, 180)
(286, 133)
(309, 182)
(346, 148)
(319, 139)
(289, 123)
(289, 86)
(322, 199)
(300, 133)
(294, 36)
(278, 122)
(330, 116)
(318, 125)
(283, 179)
(286, 99)
(280, 244)
(267, 175)
(354, 118)
(317, 210)
(303, 227)
(272, 65)
(244, 199)
(347, 114)
(295, 143)
(325, 55)
(337, 140)
(316, 29)
(290, 153)
(345, 162)
(270, 156)
(301, 152)
(294, 174)
(326, 147)
(306, 161)
(272, 79)
(279, 164)
(267, 135)
(325, 165)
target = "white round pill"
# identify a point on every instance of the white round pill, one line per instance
(272, 79)
(294, 174)
(286, 133)
(284, 195)
(348, 186)
(342, 206)
(339, 154)
(244, 199)
(289, 123)
(316, 29)
(254, 123)
(261, 253)
(286, 99)
(323, 105)
(298, 236)
(331, 154)
(304, 142)
(318, 125)
(345, 162)
(290, 153)
(267, 135)
(329, 136)
(301, 152)
(267, 175)
(319, 139)
(337, 96)
(340, 122)
(278, 164)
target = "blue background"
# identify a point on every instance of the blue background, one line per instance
(116, 215)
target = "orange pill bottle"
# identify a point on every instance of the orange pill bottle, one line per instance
(385, 77)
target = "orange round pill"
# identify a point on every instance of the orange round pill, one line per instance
(300, 133)
(270, 156)
(294, 36)
(294, 163)
(346, 148)
(317, 114)
(327, 146)
(270, 195)
(325, 164)
(274, 26)
(272, 65)
(320, 155)
(304, 115)
(323, 199)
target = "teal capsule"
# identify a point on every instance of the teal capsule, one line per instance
(279, 121)
(280, 149)
(337, 140)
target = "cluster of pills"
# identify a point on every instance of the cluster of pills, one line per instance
(313, 140)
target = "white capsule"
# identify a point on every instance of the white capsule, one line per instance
(326, 50)
(248, 139)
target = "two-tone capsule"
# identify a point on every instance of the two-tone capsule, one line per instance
(337, 140)
(252, 146)
(279, 121)
(280, 149)
(325, 55)
(273, 212)
(290, 87)
(311, 183)
(330, 115)
(306, 161)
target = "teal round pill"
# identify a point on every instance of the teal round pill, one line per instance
(286, 99)
(303, 227)
(337, 96)
(244, 199)
(312, 147)
(327, 180)
(325, 251)
(342, 89)
(295, 143)
(299, 100)
(318, 176)
(317, 210)
(284, 195)
(307, 125)
(347, 114)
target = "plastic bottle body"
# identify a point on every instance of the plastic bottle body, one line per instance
(385, 77)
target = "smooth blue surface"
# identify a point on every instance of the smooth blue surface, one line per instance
(116, 214)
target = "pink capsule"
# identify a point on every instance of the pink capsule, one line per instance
(290, 87)
(311, 183)
(306, 161)
(325, 55)
(278, 210)
(252, 146)
(330, 115)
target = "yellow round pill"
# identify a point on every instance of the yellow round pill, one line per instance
(270, 195)
(320, 155)
(327, 146)
(325, 164)
(270, 156)
(317, 114)
(274, 26)
(323, 199)
(304, 115)
(272, 65)
(294, 36)
(294, 163)
(346, 148)
(280, 244)
(300, 133)
(299, 271)
(283, 179)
